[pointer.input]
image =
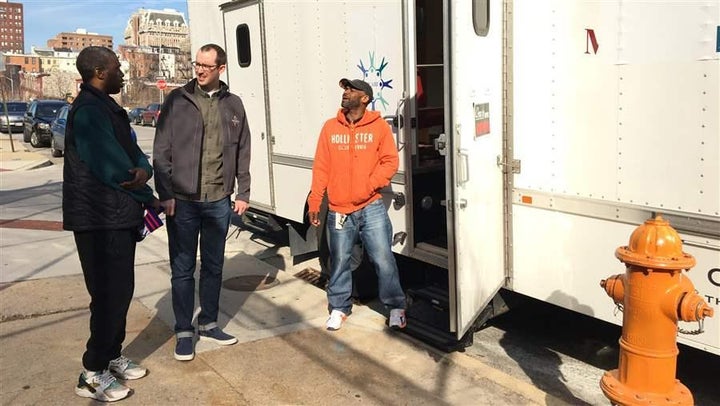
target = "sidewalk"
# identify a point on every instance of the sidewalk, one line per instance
(20, 159)
(284, 355)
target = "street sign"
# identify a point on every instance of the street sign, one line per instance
(161, 84)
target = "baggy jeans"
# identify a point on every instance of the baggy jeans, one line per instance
(372, 226)
(210, 221)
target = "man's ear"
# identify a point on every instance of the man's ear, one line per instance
(100, 72)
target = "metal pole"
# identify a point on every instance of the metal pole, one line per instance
(7, 117)
(12, 87)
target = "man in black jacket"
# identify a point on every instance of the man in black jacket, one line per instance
(202, 148)
(104, 189)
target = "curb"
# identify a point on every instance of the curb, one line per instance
(24, 165)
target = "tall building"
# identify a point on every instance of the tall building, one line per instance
(80, 39)
(12, 29)
(157, 46)
(158, 29)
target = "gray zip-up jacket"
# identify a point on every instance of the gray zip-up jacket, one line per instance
(178, 144)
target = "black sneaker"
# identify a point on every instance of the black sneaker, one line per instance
(217, 336)
(184, 350)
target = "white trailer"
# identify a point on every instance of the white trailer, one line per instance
(534, 135)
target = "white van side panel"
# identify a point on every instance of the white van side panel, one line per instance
(561, 258)
(564, 98)
(608, 136)
(310, 47)
(622, 124)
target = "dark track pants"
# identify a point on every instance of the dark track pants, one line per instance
(108, 263)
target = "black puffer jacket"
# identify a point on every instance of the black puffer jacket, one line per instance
(89, 203)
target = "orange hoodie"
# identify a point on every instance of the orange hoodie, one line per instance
(352, 162)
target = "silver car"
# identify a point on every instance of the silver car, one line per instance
(13, 121)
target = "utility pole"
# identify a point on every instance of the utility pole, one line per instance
(12, 86)
(7, 118)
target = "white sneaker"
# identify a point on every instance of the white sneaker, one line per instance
(335, 321)
(397, 318)
(101, 386)
(124, 368)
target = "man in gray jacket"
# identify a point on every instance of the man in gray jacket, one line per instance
(202, 148)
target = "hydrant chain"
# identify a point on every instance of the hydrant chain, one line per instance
(700, 330)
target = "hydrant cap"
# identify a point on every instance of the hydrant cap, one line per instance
(656, 245)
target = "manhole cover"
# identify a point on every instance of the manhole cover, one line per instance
(249, 283)
(313, 277)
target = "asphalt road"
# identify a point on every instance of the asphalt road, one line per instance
(558, 351)
(145, 140)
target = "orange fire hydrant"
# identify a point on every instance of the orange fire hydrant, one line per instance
(653, 294)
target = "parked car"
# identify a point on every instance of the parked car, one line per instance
(57, 128)
(37, 120)
(135, 115)
(13, 122)
(151, 114)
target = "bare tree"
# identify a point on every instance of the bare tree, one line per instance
(59, 84)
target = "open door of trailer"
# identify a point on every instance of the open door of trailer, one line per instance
(246, 77)
(476, 180)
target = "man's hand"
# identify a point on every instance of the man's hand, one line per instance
(240, 206)
(169, 206)
(155, 204)
(140, 178)
(314, 218)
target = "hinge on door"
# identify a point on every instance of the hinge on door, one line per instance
(513, 167)
(272, 140)
(440, 144)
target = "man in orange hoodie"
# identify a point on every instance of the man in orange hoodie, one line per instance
(356, 156)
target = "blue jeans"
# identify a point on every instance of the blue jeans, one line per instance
(372, 226)
(210, 221)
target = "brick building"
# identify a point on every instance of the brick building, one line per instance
(25, 63)
(80, 39)
(12, 28)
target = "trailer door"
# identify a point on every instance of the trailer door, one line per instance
(475, 136)
(246, 68)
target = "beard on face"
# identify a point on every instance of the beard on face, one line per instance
(115, 87)
(350, 103)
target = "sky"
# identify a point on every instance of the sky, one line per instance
(44, 19)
